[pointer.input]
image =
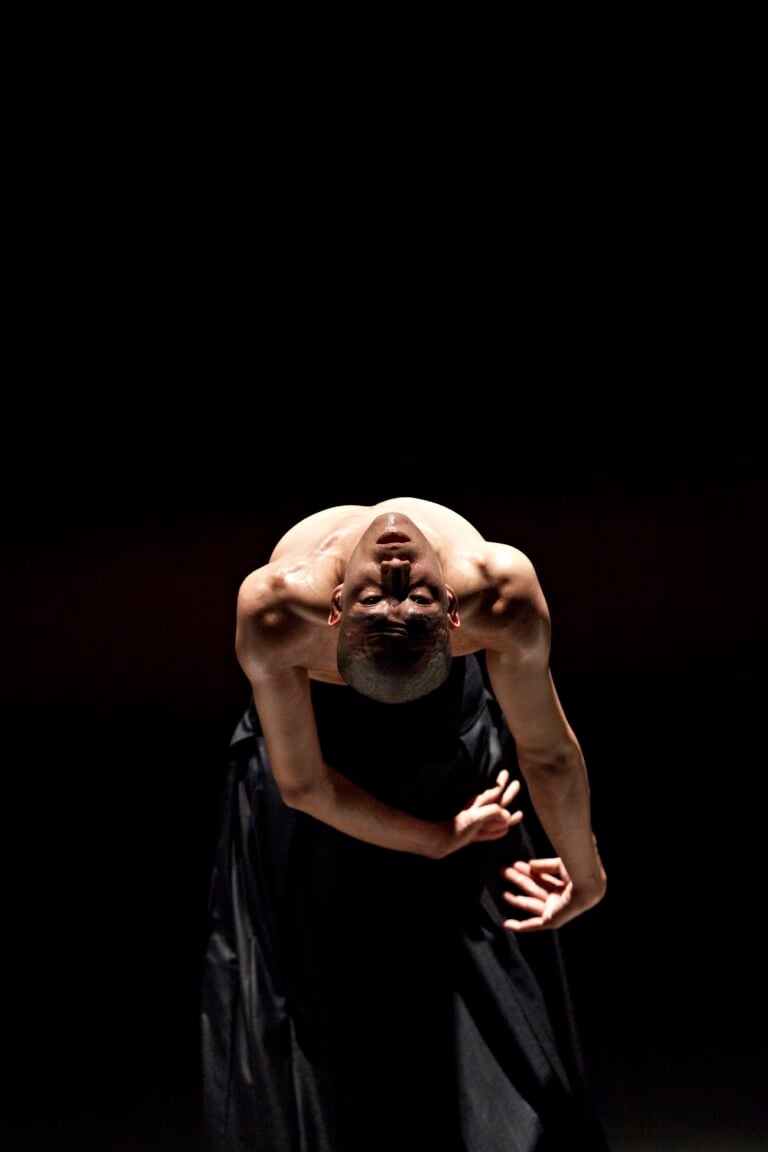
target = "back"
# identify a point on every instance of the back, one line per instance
(338, 529)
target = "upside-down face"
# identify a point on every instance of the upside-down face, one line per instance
(394, 609)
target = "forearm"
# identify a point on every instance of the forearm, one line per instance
(551, 762)
(309, 785)
(558, 788)
(336, 800)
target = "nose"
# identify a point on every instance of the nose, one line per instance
(395, 577)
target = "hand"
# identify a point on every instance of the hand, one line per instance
(545, 891)
(484, 817)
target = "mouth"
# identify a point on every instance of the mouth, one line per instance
(393, 537)
(390, 630)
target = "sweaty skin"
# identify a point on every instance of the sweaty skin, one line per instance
(392, 561)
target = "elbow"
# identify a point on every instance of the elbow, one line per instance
(598, 889)
(303, 786)
(552, 761)
(297, 796)
(303, 796)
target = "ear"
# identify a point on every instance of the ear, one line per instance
(453, 607)
(334, 616)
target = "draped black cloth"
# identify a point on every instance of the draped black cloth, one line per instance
(357, 999)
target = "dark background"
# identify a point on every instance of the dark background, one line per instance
(531, 293)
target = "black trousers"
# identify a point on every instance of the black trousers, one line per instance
(357, 999)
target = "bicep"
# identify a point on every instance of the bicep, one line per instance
(521, 679)
(284, 703)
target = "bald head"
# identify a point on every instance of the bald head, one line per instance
(394, 669)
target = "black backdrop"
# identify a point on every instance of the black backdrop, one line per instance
(568, 354)
(124, 689)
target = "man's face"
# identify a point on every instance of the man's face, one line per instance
(394, 596)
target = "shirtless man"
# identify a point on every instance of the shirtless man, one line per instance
(364, 987)
(382, 598)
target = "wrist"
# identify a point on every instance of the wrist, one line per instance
(437, 840)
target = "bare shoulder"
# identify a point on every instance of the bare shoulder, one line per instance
(281, 622)
(282, 618)
(300, 587)
(265, 619)
(261, 591)
(484, 567)
(501, 600)
(510, 570)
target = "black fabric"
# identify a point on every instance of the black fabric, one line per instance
(357, 999)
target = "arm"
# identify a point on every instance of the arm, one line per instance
(307, 783)
(548, 752)
(266, 640)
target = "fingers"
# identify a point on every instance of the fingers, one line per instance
(491, 822)
(495, 814)
(493, 831)
(526, 884)
(538, 907)
(532, 924)
(492, 794)
(549, 864)
(549, 871)
(503, 791)
(543, 892)
(532, 904)
(507, 788)
(511, 791)
(534, 883)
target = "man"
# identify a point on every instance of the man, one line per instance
(363, 988)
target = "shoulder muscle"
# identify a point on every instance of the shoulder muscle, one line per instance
(269, 623)
(514, 611)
